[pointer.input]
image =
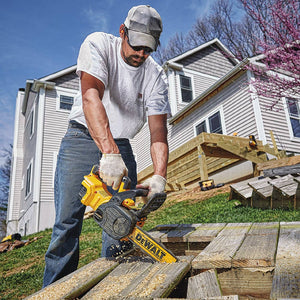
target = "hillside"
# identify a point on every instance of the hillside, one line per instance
(22, 269)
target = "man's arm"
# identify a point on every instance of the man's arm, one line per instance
(92, 92)
(159, 153)
(112, 167)
(159, 143)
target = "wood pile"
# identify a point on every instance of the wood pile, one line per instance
(216, 261)
(278, 188)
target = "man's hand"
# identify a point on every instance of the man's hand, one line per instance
(112, 169)
(155, 184)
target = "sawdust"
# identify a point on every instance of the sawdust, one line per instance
(196, 195)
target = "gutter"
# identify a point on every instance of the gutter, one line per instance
(34, 86)
(222, 80)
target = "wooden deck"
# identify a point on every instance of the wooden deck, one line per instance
(216, 261)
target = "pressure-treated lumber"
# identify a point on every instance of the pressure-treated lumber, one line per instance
(248, 283)
(259, 247)
(286, 281)
(140, 279)
(276, 163)
(78, 282)
(203, 285)
(219, 253)
(206, 154)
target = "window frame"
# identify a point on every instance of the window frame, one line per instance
(206, 120)
(28, 185)
(66, 93)
(191, 77)
(288, 116)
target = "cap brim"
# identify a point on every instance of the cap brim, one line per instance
(137, 38)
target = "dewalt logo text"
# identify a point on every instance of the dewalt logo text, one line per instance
(148, 245)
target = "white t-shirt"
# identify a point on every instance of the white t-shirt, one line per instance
(131, 94)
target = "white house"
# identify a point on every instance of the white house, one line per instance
(208, 91)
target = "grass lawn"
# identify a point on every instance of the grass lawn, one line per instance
(22, 269)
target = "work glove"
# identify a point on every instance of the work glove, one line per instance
(155, 184)
(112, 169)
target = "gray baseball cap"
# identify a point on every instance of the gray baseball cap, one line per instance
(144, 26)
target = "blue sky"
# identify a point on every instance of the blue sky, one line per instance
(40, 37)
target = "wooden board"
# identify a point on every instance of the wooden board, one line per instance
(252, 283)
(286, 281)
(242, 191)
(179, 234)
(259, 247)
(297, 196)
(140, 279)
(78, 282)
(205, 232)
(283, 170)
(219, 253)
(203, 285)
(286, 161)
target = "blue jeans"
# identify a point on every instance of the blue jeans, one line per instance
(78, 153)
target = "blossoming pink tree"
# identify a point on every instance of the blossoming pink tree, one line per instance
(279, 21)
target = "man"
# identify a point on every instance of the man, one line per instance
(121, 87)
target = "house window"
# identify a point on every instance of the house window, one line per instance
(28, 180)
(31, 123)
(65, 102)
(294, 114)
(186, 88)
(211, 124)
(201, 128)
(215, 125)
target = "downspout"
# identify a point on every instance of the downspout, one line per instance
(170, 69)
(257, 110)
(38, 153)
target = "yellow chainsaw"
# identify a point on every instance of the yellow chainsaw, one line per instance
(118, 215)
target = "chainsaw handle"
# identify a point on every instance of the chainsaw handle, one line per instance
(141, 192)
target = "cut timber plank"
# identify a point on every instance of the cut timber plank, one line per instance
(140, 279)
(78, 282)
(251, 283)
(297, 196)
(286, 281)
(284, 191)
(205, 232)
(179, 234)
(261, 193)
(286, 161)
(219, 253)
(259, 247)
(242, 191)
(176, 240)
(203, 285)
(283, 170)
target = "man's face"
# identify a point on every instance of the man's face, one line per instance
(133, 56)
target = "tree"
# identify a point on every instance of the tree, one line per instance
(4, 184)
(279, 46)
(226, 21)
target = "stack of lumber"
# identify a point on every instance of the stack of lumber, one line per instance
(219, 261)
(268, 192)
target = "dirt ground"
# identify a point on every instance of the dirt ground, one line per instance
(195, 194)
